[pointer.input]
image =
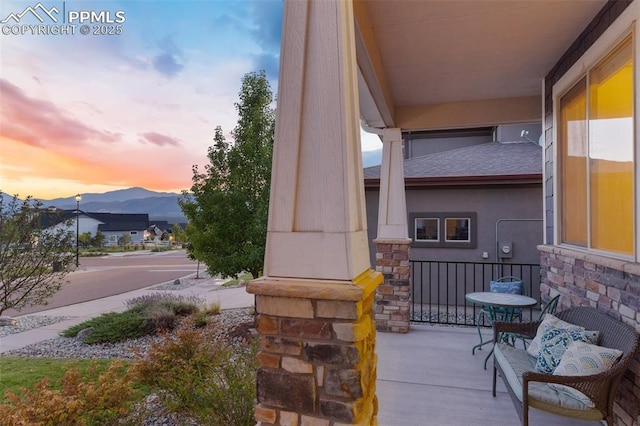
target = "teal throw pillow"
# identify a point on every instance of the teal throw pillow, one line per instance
(555, 343)
(548, 323)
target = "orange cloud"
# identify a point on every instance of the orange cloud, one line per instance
(41, 123)
(40, 143)
(72, 173)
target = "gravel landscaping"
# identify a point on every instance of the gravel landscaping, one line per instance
(29, 322)
(231, 325)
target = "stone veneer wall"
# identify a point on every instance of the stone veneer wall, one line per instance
(394, 295)
(612, 286)
(317, 353)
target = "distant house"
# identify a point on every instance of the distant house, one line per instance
(116, 225)
(158, 230)
(480, 202)
(111, 225)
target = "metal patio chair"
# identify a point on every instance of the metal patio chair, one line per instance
(507, 284)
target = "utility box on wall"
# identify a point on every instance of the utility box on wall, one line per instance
(505, 249)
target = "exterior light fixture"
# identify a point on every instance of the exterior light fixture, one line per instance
(78, 198)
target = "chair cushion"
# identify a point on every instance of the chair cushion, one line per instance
(554, 344)
(515, 361)
(583, 359)
(549, 322)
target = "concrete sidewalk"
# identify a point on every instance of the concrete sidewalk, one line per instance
(208, 289)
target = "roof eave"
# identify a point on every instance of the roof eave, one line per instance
(533, 178)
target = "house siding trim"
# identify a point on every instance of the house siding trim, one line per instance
(599, 49)
(585, 277)
(600, 23)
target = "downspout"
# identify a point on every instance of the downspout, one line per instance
(375, 130)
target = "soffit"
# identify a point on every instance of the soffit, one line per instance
(435, 52)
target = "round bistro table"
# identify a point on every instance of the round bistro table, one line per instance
(505, 303)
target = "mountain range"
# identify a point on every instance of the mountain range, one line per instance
(371, 158)
(159, 205)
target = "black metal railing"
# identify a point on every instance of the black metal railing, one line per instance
(438, 288)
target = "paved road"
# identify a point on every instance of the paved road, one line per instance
(102, 277)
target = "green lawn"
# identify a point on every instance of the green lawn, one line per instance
(17, 373)
(234, 282)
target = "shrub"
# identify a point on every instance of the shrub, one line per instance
(210, 381)
(188, 304)
(145, 315)
(112, 327)
(77, 403)
(213, 308)
(161, 318)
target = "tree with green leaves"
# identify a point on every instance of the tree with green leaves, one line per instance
(228, 204)
(179, 235)
(124, 240)
(34, 257)
(98, 240)
(84, 239)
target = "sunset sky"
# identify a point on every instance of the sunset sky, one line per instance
(94, 113)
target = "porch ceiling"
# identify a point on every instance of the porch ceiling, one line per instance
(414, 55)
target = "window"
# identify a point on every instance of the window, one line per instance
(457, 229)
(596, 156)
(443, 229)
(427, 229)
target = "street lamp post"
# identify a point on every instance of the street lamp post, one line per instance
(78, 198)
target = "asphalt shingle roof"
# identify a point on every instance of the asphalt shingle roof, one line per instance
(490, 159)
(123, 226)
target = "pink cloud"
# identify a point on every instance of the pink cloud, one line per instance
(158, 139)
(41, 123)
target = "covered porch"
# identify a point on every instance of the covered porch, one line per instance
(395, 67)
(429, 377)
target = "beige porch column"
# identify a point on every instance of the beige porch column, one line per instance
(392, 242)
(315, 302)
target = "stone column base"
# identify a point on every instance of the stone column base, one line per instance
(394, 295)
(317, 351)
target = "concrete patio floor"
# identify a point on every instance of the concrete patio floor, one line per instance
(429, 377)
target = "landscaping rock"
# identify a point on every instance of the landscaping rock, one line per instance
(5, 321)
(84, 333)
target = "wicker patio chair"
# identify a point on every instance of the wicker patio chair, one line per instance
(599, 388)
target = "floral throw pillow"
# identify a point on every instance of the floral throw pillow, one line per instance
(555, 343)
(548, 323)
(582, 359)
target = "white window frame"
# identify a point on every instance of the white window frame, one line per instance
(468, 240)
(615, 34)
(470, 243)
